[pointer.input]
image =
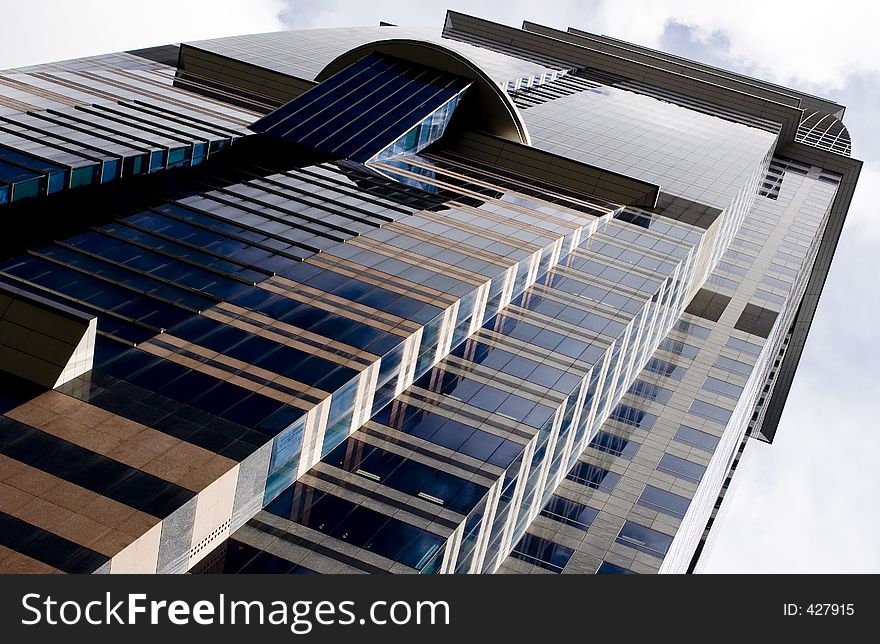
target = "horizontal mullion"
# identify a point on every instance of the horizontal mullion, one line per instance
(60, 137)
(177, 258)
(76, 302)
(105, 112)
(184, 116)
(95, 129)
(319, 204)
(280, 218)
(206, 251)
(119, 283)
(163, 280)
(214, 216)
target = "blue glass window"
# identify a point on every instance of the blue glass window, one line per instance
(728, 364)
(721, 387)
(378, 105)
(357, 525)
(406, 475)
(616, 445)
(709, 411)
(632, 416)
(692, 329)
(664, 368)
(650, 391)
(452, 434)
(680, 348)
(746, 347)
(663, 501)
(542, 552)
(241, 558)
(681, 467)
(696, 438)
(593, 476)
(568, 512)
(644, 539)
(606, 568)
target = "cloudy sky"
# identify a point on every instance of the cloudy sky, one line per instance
(806, 503)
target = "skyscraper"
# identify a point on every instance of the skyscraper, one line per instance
(390, 299)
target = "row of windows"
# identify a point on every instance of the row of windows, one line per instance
(650, 391)
(585, 318)
(593, 476)
(309, 317)
(672, 504)
(97, 144)
(200, 390)
(243, 559)
(614, 445)
(721, 387)
(665, 368)
(542, 552)
(23, 175)
(357, 525)
(512, 364)
(569, 512)
(393, 96)
(486, 397)
(553, 340)
(266, 354)
(406, 475)
(134, 317)
(451, 434)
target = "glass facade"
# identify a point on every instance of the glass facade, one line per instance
(379, 107)
(347, 333)
(99, 119)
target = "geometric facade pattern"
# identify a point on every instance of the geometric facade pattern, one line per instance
(339, 326)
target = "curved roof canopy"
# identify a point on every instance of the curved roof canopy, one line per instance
(485, 106)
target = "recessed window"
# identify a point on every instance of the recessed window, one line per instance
(696, 438)
(721, 387)
(681, 467)
(709, 411)
(615, 445)
(663, 501)
(611, 569)
(746, 347)
(644, 539)
(568, 512)
(593, 476)
(542, 552)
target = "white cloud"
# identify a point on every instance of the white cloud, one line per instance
(784, 41)
(864, 215)
(807, 503)
(49, 30)
(812, 48)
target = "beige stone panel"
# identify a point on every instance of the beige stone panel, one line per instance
(213, 515)
(141, 556)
